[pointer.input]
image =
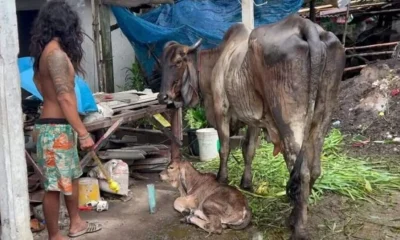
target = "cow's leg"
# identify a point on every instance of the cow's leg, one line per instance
(327, 98)
(249, 149)
(223, 134)
(298, 216)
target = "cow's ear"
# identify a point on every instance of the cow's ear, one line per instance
(190, 86)
(170, 43)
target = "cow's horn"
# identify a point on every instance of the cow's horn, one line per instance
(196, 45)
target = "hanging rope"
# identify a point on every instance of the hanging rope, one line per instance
(255, 4)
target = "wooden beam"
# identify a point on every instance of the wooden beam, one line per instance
(106, 47)
(135, 3)
(248, 13)
(370, 54)
(373, 46)
(96, 38)
(14, 198)
(176, 128)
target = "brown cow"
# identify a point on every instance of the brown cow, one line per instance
(281, 77)
(212, 206)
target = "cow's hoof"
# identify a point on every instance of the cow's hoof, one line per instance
(247, 187)
(186, 212)
(222, 180)
(186, 219)
(300, 235)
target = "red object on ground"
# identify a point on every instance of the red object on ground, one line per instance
(395, 92)
(86, 208)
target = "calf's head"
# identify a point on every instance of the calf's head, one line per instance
(171, 174)
(179, 74)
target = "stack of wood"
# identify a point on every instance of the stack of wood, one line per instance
(141, 158)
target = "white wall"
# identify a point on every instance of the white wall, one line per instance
(123, 53)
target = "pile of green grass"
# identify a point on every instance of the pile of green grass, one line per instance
(341, 174)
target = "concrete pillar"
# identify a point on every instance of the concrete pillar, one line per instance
(248, 13)
(14, 198)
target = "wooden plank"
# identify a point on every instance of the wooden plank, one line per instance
(135, 106)
(106, 46)
(14, 198)
(123, 154)
(129, 116)
(135, 3)
(151, 161)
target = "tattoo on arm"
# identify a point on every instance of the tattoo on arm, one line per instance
(59, 72)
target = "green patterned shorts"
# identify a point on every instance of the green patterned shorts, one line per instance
(57, 154)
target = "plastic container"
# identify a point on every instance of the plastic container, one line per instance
(208, 143)
(89, 190)
(193, 143)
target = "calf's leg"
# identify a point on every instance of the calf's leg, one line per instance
(248, 150)
(185, 204)
(214, 224)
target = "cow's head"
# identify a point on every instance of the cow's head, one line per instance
(179, 74)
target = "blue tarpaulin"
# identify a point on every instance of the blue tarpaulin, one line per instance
(188, 20)
(84, 97)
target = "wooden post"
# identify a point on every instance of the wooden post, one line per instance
(312, 10)
(345, 26)
(248, 13)
(106, 47)
(96, 38)
(176, 128)
(14, 199)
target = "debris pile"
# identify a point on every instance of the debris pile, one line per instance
(369, 106)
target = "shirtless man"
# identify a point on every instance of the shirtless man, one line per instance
(57, 52)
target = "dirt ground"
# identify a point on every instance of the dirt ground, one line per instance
(332, 218)
(132, 220)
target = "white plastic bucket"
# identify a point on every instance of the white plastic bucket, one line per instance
(208, 143)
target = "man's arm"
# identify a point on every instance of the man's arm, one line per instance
(59, 71)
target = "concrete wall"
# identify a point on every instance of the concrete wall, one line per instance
(123, 53)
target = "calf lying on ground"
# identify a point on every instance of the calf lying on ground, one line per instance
(211, 206)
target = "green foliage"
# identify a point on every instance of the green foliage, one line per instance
(134, 78)
(196, 118)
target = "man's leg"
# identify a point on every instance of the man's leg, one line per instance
(51, 208)
(72, 202)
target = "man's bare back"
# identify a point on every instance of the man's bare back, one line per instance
(44, 81)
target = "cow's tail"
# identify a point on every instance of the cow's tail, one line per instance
(317, 63)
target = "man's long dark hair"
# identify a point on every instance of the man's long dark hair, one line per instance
(57, 19)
